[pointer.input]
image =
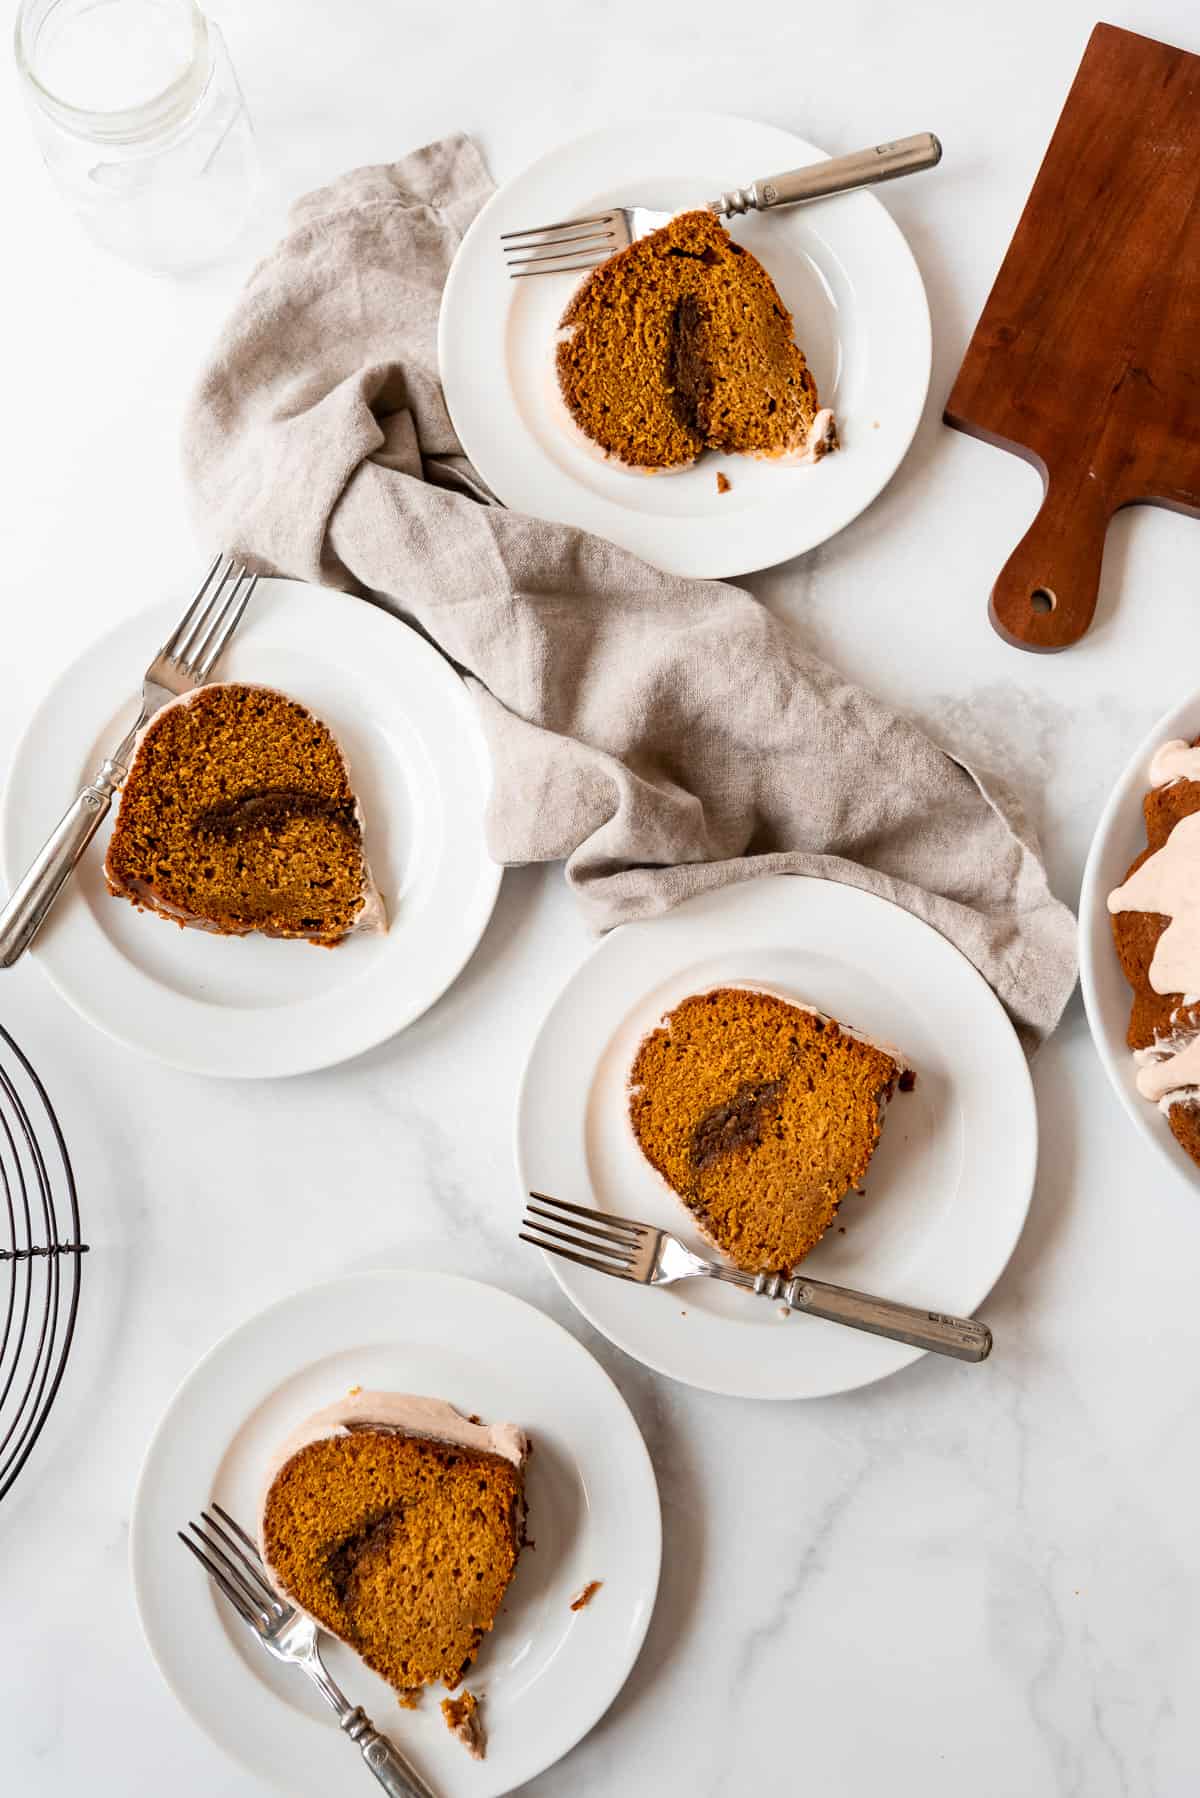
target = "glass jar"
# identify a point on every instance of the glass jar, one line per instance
(142, 124)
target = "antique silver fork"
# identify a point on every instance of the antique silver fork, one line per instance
(633, 1251)
(576, 244)
(232, 1560)
(185, 661)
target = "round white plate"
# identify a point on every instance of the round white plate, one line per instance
(842, 267)
(1120, 837)
(253, 1006)
(548, 1674)
(947, 1191)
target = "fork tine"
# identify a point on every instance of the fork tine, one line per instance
(595, 218)
(601, 249)
(224, 625)
(237, 1529)
(200, 604)
(605, 1217)
(232, 1573)
(185, 647)
(626, 1242)
(600, 1267)
(559, 268)
(231, 1592)
(253, 1567)
(553, 246)
(622, 1257)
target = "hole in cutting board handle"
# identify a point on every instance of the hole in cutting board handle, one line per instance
(1043, 600)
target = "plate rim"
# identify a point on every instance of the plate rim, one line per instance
(432, 1276)
(904, 1355)
(1127, 789)
(175, 1054)
(734, 567)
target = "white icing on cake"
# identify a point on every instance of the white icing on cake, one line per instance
(1168, 883)
(1174, 760)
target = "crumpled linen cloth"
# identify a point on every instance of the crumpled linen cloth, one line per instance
(661, 736)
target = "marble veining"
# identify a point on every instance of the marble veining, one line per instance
(981, 1581)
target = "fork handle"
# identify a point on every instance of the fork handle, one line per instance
(36, 892)
(960, 1337)
(392, 1771)
(839, 175)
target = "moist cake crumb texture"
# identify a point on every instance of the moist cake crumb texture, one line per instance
(761, 1116)
(238, 815)
(402, 1546)
(681, 343)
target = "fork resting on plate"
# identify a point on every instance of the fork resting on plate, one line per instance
(576, 244)
(634, 1251)
(232, 1560)
(185, 662)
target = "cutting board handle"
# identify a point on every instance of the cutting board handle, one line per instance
(1046, 593)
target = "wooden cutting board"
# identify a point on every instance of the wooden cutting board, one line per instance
(1086, 360)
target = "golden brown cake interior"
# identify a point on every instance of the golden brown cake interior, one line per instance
(238, 816)
(1153, 1016)
(681, 343)
(402, 1546)
(761, 1116)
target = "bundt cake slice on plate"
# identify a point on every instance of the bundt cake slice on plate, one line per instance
(761, 1115)
(396, 1523)
(238, 816)
(681, 343)
(1156, 930)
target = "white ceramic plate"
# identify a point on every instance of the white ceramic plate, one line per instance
(252, 1006)
(842, 267)
(947, 1191)
(547, 1673)
(1120, 836)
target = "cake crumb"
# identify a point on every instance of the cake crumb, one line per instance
(353, 1391)
(410, 1700)
(586, 1594)
(463, 1720)
(908, 1080)
(723, 482)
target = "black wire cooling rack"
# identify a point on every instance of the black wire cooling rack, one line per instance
(41, 1259)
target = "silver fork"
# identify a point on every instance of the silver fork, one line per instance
(231, 1557)
(185, 661)
(633, 1251)
(546, 249)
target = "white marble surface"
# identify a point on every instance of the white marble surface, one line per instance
(961, 1580)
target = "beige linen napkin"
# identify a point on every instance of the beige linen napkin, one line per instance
(661, 736)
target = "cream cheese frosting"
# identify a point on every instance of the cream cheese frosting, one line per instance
(1168, 883)
(1174, 760)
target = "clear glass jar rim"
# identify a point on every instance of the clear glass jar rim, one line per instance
(131, 124)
